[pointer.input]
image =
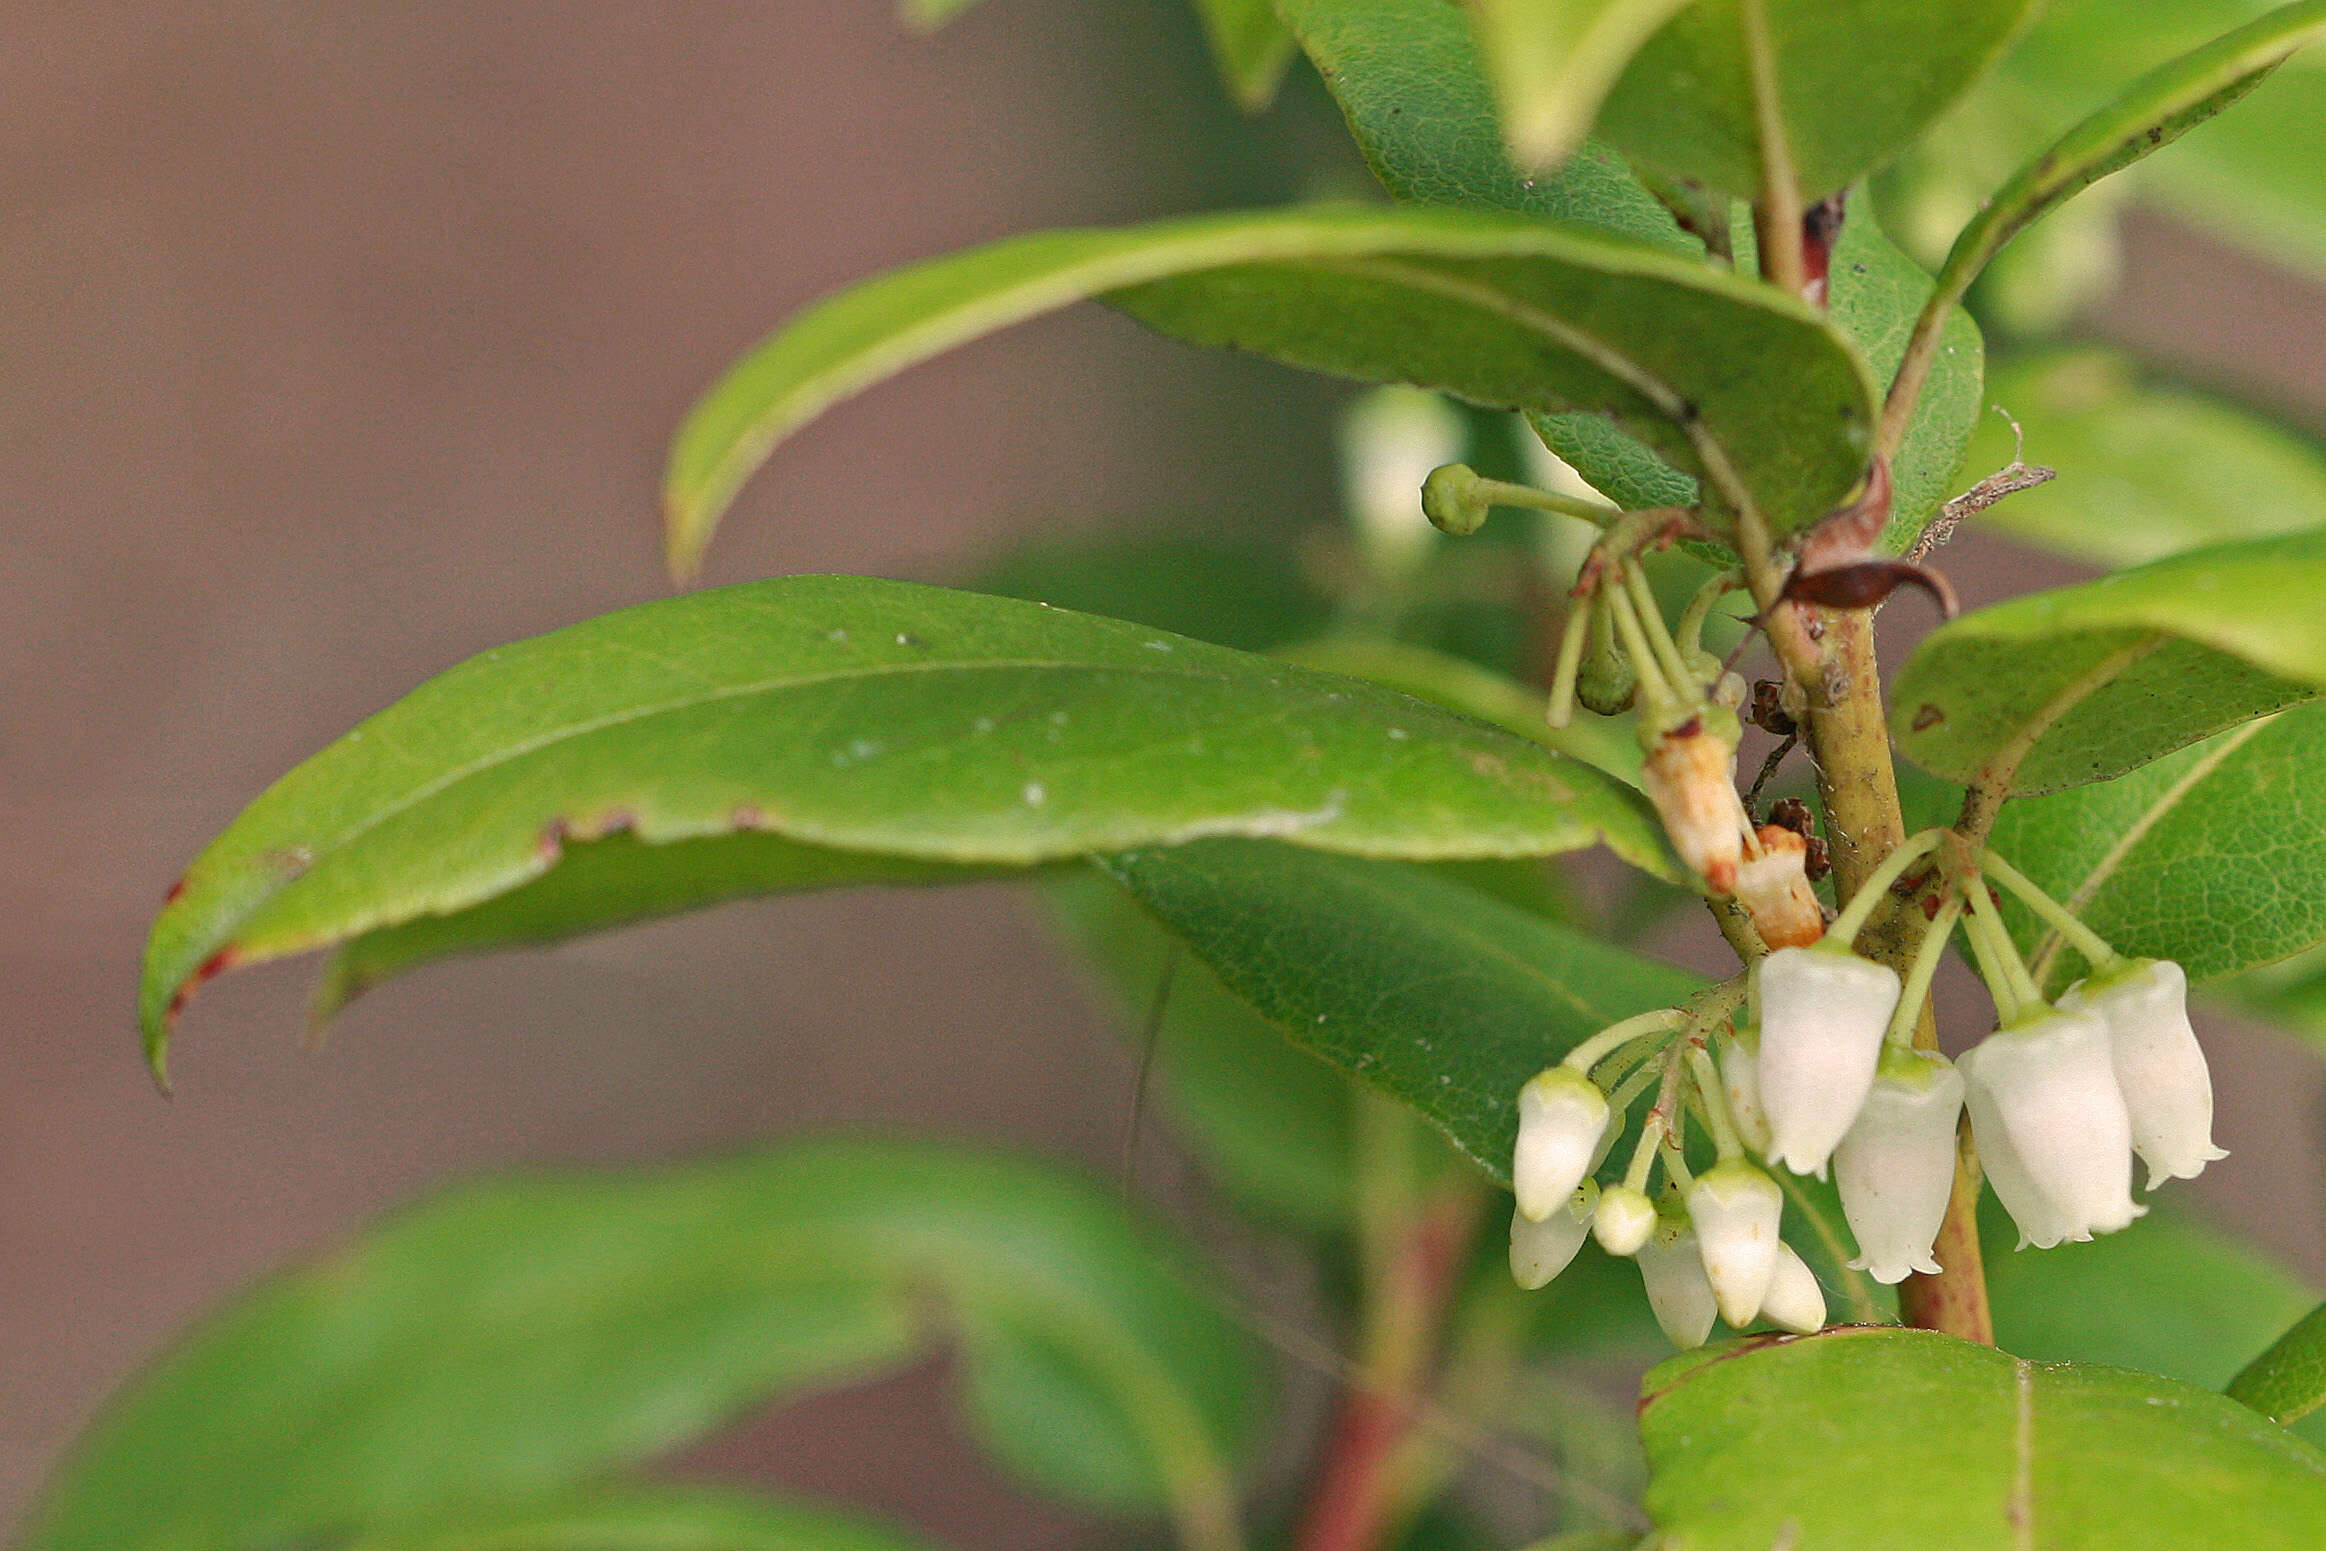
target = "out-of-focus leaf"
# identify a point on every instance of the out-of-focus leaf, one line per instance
(2288, 1382)
(929, 15)
(1907, 1440)
(2153, 111)
(2214, 856)
(2145, 471)
(1856, 82)
(517, 1338)
(1407, 75)
(1553, 62)
(857, 715)
(2164, 1296)
(2255, 177)
(2103, 677)
(647, 1519)
(1250, 45)
(1501, 311)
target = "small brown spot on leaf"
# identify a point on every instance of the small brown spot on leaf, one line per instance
(176, 893)
(746, 816)
(550, 844)
(1928, 717)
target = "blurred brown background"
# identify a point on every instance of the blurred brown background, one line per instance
(342, 341)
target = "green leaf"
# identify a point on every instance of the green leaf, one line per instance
(1406, 73)
(850, 714)
(2145, 470)
(647, 1519)
(519, 1337)
(2164, 1296)
(1502, 311)
(1443, 998)
(612, 882)
(1875, 292)
(1250, 46)
(2288, 1382)
(1248, 595)
(1856, 83)
(2152, 112)
(1906, 1440)
(2214, 856)
(1271, 1122)
(2096, 679)
(1554, 61)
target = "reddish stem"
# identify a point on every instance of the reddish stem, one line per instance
(1355, 1501)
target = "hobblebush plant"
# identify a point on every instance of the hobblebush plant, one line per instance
(1646, 329)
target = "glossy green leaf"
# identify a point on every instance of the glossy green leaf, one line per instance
(856, 715)
(1407, 75)
(2164, 1296)
(1271, 1122)
(1502, 311)
(2100, 678)
(1250, 45)
(1857, 81)
(519, 1337)
(2145, 470)
(2287, 1382)
(2150, 113)
(1438, 995)
(612, 882)
(1907, 1440)
(1553, 62)
(646, 1519)
(2214, 856)
(1875, 293)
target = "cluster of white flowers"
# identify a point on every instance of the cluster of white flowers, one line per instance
(1826, 1079)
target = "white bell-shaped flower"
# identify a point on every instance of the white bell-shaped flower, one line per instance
(2047, 1087)
(1624, 1220)
(1679, 1293)
(2160, 1068)
(1795, 1301)
(1561, 1114)
(1740, 1083)
(2038, 1221)
(1734, 1209)
(1539, 1251)
(1823, 1015)
(1896, 1167)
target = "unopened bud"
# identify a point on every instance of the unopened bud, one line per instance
(1539, 1251)
(1688, 778)
(1453, 501)
(1561, 1114)
(1606, 683)
(1624, 1220)
(2160, 1068)
(2048, 1087)
(1679, 1293)
(1734, 1209)
(1795, 1301)
(1823, 1015)
(1774, 889)
(1895, 1169)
